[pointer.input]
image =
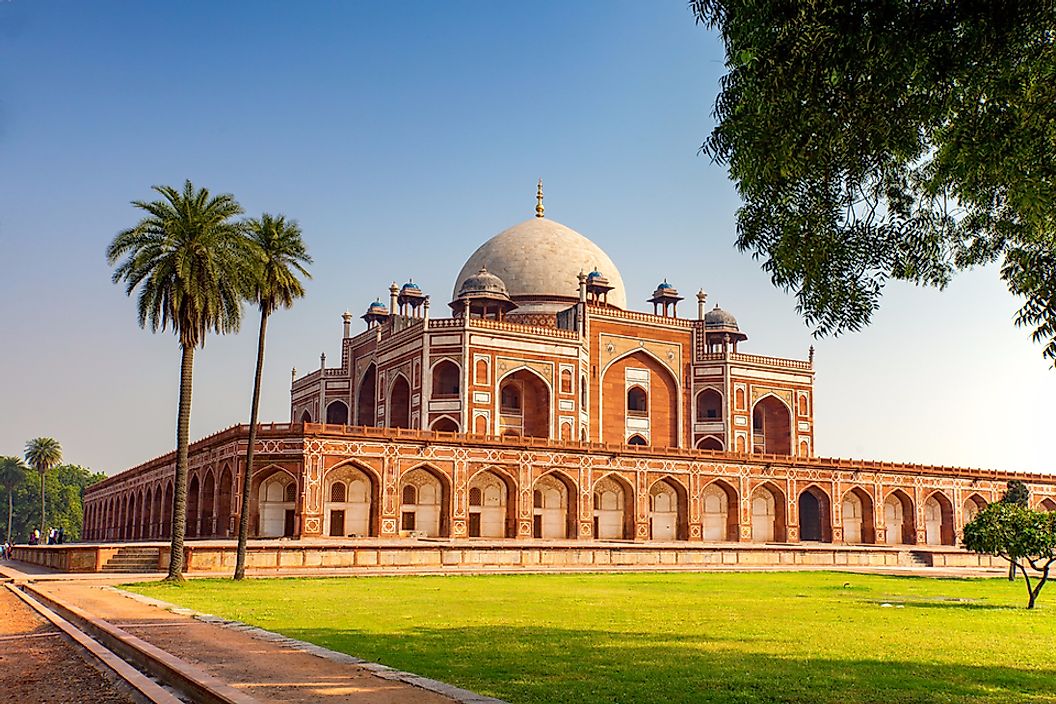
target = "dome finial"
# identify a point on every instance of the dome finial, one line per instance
(539, 209)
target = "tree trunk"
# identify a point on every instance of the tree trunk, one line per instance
(43, 531)
(10, 510)
(247, 475)
(179, 499)
(1012, 572)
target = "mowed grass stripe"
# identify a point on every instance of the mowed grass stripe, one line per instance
(666, 638)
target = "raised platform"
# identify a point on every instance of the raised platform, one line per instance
(371, 555)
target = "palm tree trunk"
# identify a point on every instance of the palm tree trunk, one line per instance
(179, 499)
(10, 510)
(247, 479)
(43, 532)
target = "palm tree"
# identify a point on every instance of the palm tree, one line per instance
(283, 257)
(42, 454)
(191, 263)
(12, 474)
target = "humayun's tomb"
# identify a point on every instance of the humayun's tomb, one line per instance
(541, 408)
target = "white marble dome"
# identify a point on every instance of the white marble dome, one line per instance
(539, 260)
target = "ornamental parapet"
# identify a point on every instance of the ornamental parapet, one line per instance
(619, 314)
(534, 330)
(761, 360)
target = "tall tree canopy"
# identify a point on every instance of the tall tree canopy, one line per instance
(281, 260)
(42, 454)
(891, 139)
(192, 266)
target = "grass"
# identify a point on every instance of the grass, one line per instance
(669, 638)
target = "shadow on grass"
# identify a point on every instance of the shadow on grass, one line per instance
(556, 665)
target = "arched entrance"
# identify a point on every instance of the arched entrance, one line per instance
(938, 520)
(223, 511)
(490, 514)
(1047, 505)
(553, 513)
(166, 512)
(639, 396)
(768, 515)
(446, 380)
(613, 509)
(899, 523)
(193, 496)
(719, 503)
(771, 427)
(710, 443)
(276, 502)
(208, 504)
(350, 494)
(972, 506)
(423, 503)
(367, 397)
(399, 403)
(337, 413)
(445, 425)
(146, 521)
(524, 405)
(857, 517)
(709, 406)
(667, 510)
(815, 522)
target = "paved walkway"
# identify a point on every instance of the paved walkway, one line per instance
(265, 666)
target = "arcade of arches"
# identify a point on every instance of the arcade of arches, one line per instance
(489, 501)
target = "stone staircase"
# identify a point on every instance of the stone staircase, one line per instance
(131, 558)
(920, 558)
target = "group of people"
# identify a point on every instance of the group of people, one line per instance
(56, 536)
(5, 550)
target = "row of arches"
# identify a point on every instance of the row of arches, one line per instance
(351, 500)
(146, 513)
(524, 400)
(425, 496)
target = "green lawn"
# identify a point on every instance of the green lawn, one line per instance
(666, 638)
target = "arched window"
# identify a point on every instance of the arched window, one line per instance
(481, 372)
(410, 496)
(804, 407)
(637, 440)
(537, 499)
(566, 381)
(637, 401)
(475, 496)
(709, 406)
(306, 417)
(445, 379)
(510, 399)
(291, 491)
(337, 492)
(582, 392)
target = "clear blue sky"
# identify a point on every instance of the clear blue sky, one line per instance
(401, 136)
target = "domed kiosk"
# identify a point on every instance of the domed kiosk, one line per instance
(540, 261)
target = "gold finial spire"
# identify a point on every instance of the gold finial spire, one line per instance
(539, 209)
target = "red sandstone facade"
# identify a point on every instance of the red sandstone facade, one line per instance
(543, 408)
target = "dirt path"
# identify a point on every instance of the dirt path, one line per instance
(265, 670)
(38, 665)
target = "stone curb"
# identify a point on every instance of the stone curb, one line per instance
(463, 696)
